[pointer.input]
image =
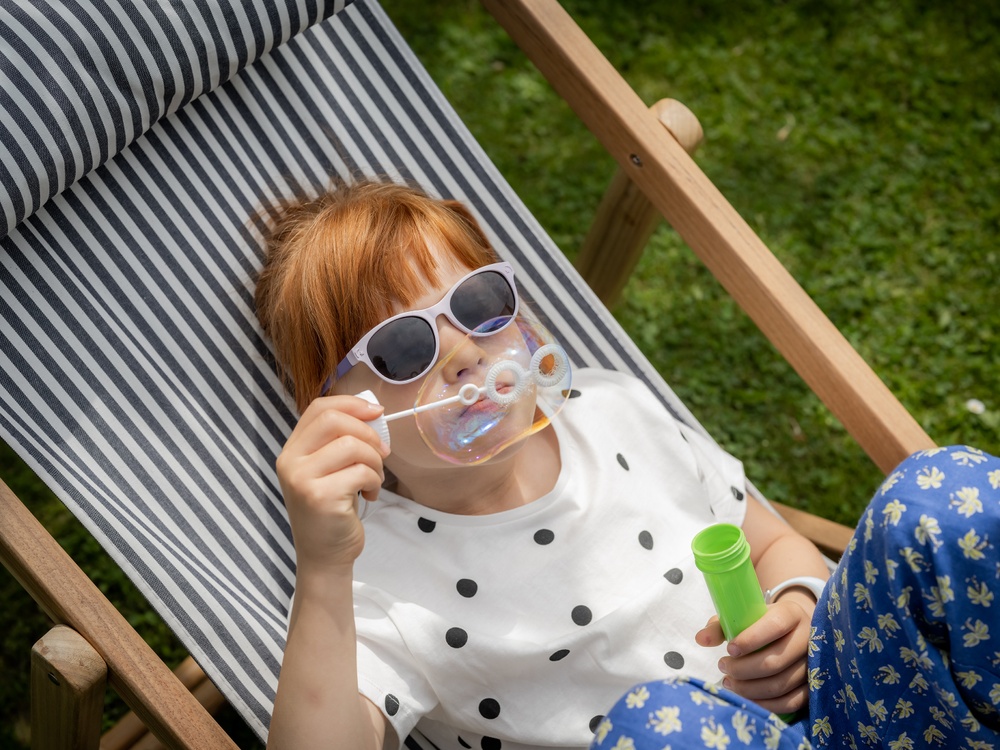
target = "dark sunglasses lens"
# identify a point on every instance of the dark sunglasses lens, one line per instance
(403, 349)
(484, 297)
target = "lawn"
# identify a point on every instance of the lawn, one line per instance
(859, 139)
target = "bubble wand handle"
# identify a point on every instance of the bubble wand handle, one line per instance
(468, 394)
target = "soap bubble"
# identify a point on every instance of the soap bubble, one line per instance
(500, 389)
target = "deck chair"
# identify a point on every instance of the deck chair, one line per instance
(136, 143)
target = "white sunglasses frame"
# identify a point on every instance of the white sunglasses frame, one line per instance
(358, 354)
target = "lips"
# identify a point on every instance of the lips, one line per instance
(484, 404)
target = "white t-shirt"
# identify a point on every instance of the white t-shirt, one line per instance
(520, 629)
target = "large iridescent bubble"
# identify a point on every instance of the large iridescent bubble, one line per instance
(491, 392)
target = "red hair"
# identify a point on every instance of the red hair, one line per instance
(336, 264)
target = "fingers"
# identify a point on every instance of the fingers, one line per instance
(779, 621)
(333, 416)
(770, 687)
(711, 634)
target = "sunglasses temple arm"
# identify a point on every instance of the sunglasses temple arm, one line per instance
(466, 396)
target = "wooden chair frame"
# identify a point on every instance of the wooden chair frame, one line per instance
(650, 160)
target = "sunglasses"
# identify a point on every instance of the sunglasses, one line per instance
(406, 346)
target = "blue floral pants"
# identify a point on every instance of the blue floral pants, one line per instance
(905, 647)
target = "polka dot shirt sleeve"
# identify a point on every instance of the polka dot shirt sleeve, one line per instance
(388, 675)
(722, 475)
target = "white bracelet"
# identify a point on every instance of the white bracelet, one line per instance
(815, 586)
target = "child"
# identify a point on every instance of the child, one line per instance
(510, 603)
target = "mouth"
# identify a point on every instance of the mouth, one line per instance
(484, 404)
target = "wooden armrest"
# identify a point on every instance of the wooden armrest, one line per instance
(65, 593)
(712, 228)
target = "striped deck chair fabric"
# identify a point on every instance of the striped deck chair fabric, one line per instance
(136, 143)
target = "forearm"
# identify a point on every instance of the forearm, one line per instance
(789, 556)
(317, 699)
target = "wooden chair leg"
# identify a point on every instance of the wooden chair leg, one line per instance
(626, 219)
(68, 680)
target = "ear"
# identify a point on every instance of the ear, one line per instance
(465, 215)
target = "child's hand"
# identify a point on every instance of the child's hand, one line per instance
(767, 661)
(329, 458)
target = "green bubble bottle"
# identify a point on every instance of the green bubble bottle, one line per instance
(722, 554)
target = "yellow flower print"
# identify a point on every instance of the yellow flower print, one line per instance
(995, 694)
(972, 726)
(868, 732)
(744, 730)
(887, 622)
(933, 734)
(877, 710)
(637, 698)
(931, 452)
(940, 716)
(903, 710)
(869, 637)
(893, 511)
(978, 633)
(928, 530)
(862, 595)
(666, 720)
(929, 478)
(624, 743)
(714, 736)
(890, 568)
(772, 737)
(968, 502)
(891, 481)
(851, 695)
(903, 742)
(889, 675)
(822, 728)
(941, 595)
(994, 477)
(978, 744)
(969, 679)
(980, 594)
(838, 639)
(913, 558)
(869, 526)
(871, 572)
(972, 545)
(816, 680)
(968, 456)
(602, 730)
(919, 683)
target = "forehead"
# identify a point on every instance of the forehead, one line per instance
(430, 288)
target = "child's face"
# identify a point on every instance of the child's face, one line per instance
(408, 448)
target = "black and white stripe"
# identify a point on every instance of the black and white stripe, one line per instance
(133, 377)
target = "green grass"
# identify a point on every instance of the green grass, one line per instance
(857, 138)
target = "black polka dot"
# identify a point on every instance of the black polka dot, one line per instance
(622, 461)
(489, 708)
(582, 615)
(463, 743)
(490, 743)
(559, 655)
(596, 722)
(737, 493)
(391, 704)
(467, 587)
(544, 536)
(571, 393)
(673, 660)
(674, 575)
(426, 525)
(646, 539)
(456, 637)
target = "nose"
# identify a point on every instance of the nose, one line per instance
(463, 354)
